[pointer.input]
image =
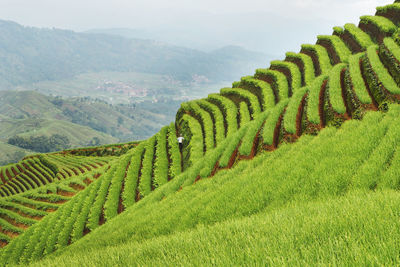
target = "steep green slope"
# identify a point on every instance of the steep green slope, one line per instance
(337, 168)
(357, 229)
(298, 110)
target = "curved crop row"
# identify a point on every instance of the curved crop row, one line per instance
(278, 81)
(335, 88)
(356, 79)
(217, 119)
(272, 127)
(229, 111)
(337, 49)
(193, 142)
(291, 115)
(305, 64)
(243, 95)
(260, 88)
(320, 57)
(313, 103)
(161, 158)
(291, 71)
(377, 27)
(244, 113)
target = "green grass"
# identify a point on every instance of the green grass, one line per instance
(351, 230)
(328, 197)
(272, 192)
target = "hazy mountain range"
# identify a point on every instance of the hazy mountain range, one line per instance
(30, 54)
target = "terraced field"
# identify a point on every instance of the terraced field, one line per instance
(50, 202)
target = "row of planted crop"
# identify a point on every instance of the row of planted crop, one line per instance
(118, 185)
(243, 141)
(378, 135)
(24, 210)
(269, 86)
(333, 93)
(39, 171)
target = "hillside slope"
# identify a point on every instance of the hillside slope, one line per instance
(34, 54)
(320, 126)
(362, 166)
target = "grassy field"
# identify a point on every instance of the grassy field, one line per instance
(259, 214)
(296, 165)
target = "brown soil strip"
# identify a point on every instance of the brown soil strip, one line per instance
(138, 197)
(62, 174)
(121, 207)
(391, 15)
(322, 103)
(232, 159)
(13, 186)
(198, 178)
(373, 31)
(102, 219)
(201, 122)
(374, 102)
(288, 75)
(65, 193)
(87, 181)
(221, 108)
(8, 174)
(272, 82)
(3, 243)
(14, 171)
(169, 155)
(77, 187)
(2, 177)
(300, 115)
(86, 231)
(33, 177)
(20, 168)
(314, 58)
(254, 147)
(300, 65)
(74, 170)
(344, 93)
(9, 233)
(51, 210)
(153, 187)
(49, 179)
(216, 166)
(94, 166)
(277, 130)
(61, 201)
(351, 42)
(14, 222)
(331, 51)
(36, 217)
(25, 182)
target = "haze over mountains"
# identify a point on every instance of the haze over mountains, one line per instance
(149, 78)
(32, 54)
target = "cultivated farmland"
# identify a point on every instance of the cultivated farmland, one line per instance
(315, 131)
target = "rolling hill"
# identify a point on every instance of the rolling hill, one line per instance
(32, 55)
(295, 165)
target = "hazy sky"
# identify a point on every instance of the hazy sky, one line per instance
(270, 26)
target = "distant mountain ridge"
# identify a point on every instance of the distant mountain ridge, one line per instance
(31, 54)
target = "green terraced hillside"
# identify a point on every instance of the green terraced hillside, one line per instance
(297, 165)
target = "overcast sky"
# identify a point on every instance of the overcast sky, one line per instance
(270, 26)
